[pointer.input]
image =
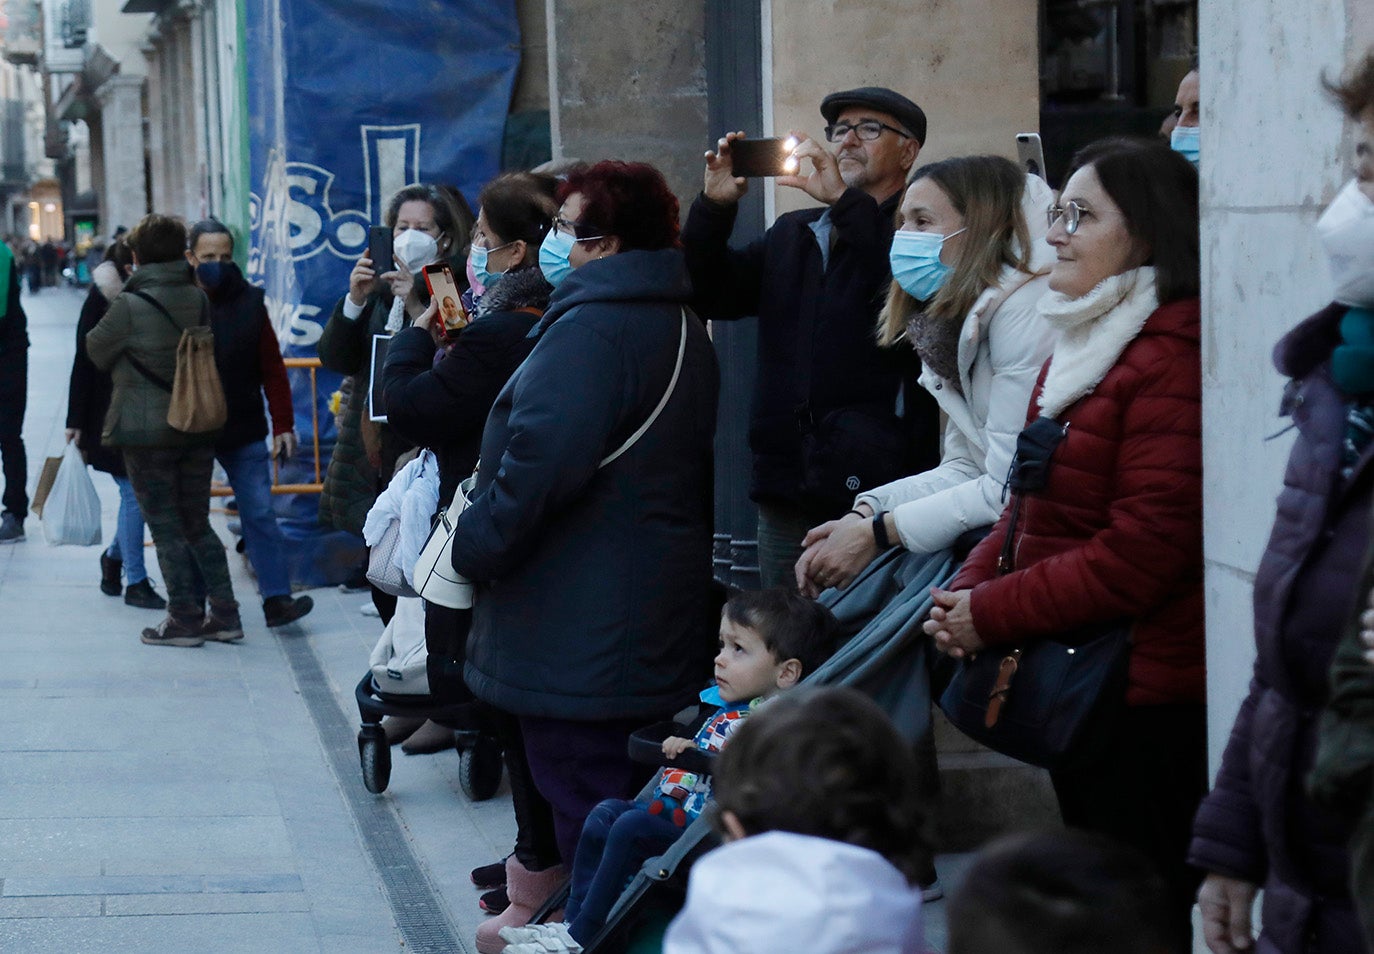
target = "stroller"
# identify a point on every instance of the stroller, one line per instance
(883, 655)
(398, 683)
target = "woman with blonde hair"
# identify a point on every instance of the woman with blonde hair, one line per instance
(969, 266)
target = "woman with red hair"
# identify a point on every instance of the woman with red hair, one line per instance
(589, 532)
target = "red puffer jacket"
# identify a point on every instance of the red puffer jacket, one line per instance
(1117, 531)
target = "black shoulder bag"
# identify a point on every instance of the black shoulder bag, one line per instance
(1037, 702)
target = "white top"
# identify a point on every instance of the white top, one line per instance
(781, 892)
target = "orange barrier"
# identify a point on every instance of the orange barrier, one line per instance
(313, 365)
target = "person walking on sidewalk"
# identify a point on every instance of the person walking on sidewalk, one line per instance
(249, 360)
(170, 470)
(88, 401)
(14, 389)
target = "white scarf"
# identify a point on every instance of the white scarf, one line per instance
(1094, 330)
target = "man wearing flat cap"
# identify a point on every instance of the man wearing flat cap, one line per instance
(831, 413)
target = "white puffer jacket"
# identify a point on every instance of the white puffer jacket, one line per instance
(1002, 348)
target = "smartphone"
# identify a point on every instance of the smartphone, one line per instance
(379, 249)
(761, 158)
(444, 290)
(1030, 154)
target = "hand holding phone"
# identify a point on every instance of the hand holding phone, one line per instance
(722, 186)
(444, 294)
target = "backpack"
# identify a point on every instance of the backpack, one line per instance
(198, 404)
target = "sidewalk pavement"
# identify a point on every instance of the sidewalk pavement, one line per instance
(209, 799)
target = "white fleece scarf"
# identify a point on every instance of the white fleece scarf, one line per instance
(1093, 332)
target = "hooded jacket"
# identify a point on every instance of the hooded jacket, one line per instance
(90, 389)
(1258, 823)
(780, 891)
(138, 407)
(592, 581)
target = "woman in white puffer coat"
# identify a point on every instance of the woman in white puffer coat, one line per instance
(970, 264)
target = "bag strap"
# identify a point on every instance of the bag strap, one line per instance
(143, 369)
(672, 386)
(204, 302)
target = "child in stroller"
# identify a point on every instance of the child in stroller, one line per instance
(768, 641)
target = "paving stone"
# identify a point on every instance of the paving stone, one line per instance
(257, 902)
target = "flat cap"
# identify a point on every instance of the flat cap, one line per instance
(883, 100)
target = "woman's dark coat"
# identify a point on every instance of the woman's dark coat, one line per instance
(1258, 824)
(592, 597)
(88, 392)
(444, 406)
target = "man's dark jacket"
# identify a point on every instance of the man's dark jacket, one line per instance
(1258, 823)
(817, 346)
(594, 582)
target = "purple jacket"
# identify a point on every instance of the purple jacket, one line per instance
(1258, 823)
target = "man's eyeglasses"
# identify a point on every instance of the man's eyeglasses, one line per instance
(575, 229)
(1071, 212)
(867, 130)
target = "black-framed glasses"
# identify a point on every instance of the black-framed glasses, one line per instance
(1071, 212)
(867, 130)
(575, 229)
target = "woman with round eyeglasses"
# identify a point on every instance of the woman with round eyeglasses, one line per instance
(969, 265)
(1115, 535)
(589, 531)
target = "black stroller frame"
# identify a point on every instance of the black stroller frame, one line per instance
(884, 656)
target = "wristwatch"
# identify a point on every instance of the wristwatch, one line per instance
(880, 530)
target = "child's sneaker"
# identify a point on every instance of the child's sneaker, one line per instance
(551, 938)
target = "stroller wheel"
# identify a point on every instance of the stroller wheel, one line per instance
(375, 756)
(479, 769)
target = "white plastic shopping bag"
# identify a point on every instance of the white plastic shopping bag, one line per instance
(71, 515)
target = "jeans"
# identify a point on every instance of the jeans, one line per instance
(127, 544)
(617, 839)
(173, 487)
(249, 471)
(782, 527)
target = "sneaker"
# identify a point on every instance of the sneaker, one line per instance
(11, 528)
(280, 610)
(222, 626)
(111, 570)
(173, 632)
(356, 582)
(370, 609)
(142, 595)
(489, 876)
(494, 901)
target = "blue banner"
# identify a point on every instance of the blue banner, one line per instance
(347, 103)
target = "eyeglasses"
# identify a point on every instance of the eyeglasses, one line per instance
(569, 227)
(1071, 211)
(867, 130)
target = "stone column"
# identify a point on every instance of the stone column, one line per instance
(1274, 154)
(125, 197)
(631, 84)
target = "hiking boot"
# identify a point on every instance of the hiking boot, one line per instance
(222, 625)
(142, 595)
(428, 739)
(11, 528)
(111, 572)
(174, 632)
(280, 610)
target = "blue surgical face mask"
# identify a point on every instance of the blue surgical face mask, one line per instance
(1187, 140)
(477, 258)
(553, 256)
(210, 274)
(916, 265)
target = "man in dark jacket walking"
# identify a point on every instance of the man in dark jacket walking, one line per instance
(827, 416)
(14, 389)
(248, 357)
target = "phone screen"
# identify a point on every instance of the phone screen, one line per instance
(444, 290)
(379, 249)
(761, 158)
